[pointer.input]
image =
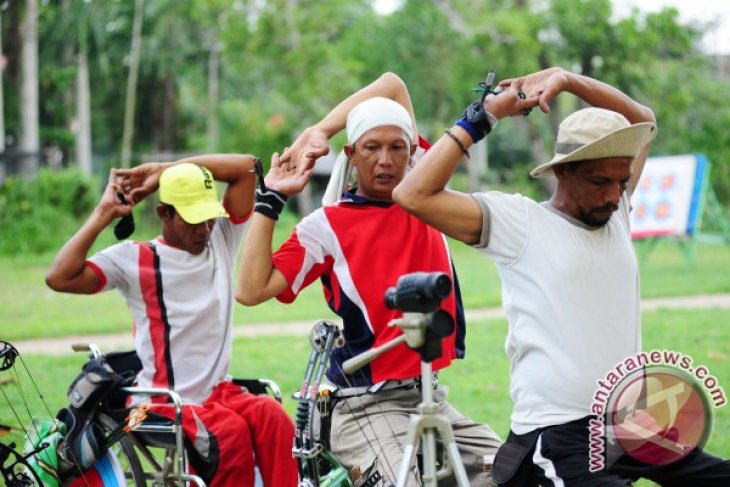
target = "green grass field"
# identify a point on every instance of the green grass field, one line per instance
(28, 309)
(478, 385)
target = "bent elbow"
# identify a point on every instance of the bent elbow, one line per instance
(392, 79)
(648, 115)
(247, 298)
(50, 283)
(652, 116)
(53, 282)
(407, 198)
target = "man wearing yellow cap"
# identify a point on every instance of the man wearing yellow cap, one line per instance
(179, 289)
(569, 276)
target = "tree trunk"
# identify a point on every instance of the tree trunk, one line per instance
(2, 106)
(169, 109)
(129, 105)
(29, 139)
(83, 115)
(213, 95)
(67, 96)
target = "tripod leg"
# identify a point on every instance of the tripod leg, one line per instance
(455, 460)
(453, 457)
(409, 454)
(427, 428)
(429, 454)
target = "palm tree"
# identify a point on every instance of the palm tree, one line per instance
(129, 106)
(29, 139)
(2, 107)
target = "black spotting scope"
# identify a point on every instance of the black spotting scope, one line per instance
(418, 292)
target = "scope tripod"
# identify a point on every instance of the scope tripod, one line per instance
(427, 425)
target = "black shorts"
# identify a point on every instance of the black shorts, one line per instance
(559, 456)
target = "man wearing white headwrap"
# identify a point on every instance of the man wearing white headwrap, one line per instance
(358, 247)
(376, 112)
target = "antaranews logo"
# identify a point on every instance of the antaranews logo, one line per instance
(655, 407)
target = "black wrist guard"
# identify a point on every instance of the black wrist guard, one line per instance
(269, 203)
(479, 124)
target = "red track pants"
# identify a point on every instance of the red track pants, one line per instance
(232, 428)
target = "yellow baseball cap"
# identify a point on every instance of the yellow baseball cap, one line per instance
(190, 188)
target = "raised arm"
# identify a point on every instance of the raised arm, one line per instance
(549, 83)
(258, 279)
(234, 169)
(312, 143)
(601, 95)
(69, 272)
(423, 191)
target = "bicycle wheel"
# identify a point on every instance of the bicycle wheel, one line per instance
(107, 469)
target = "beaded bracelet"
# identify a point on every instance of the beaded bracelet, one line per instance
(458, 142)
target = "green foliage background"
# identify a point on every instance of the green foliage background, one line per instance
(36, 213)
(284, 63)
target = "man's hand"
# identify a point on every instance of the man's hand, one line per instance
(510, 102)
(542, 86)
(111, 206)
(306, 149)
(286, 177)
(138, 182)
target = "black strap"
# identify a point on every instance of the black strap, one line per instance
(125, 226)
(510, 468)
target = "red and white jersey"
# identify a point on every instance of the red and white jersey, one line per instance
(182, 305)
(359, 248)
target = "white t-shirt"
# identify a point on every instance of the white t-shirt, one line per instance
(571, 296)
(182, 305)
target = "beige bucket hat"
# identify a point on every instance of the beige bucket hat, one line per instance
(595, 133)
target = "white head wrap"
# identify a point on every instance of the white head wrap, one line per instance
(371, 113)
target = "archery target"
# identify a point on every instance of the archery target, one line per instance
(662, 200)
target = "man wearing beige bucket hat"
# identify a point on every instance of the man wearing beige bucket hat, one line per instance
(570, 282)
(179, 290)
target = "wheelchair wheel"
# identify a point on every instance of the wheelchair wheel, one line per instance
(125, 457)
(125, 453)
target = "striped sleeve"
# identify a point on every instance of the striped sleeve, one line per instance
(303, 258)
(109, 265)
